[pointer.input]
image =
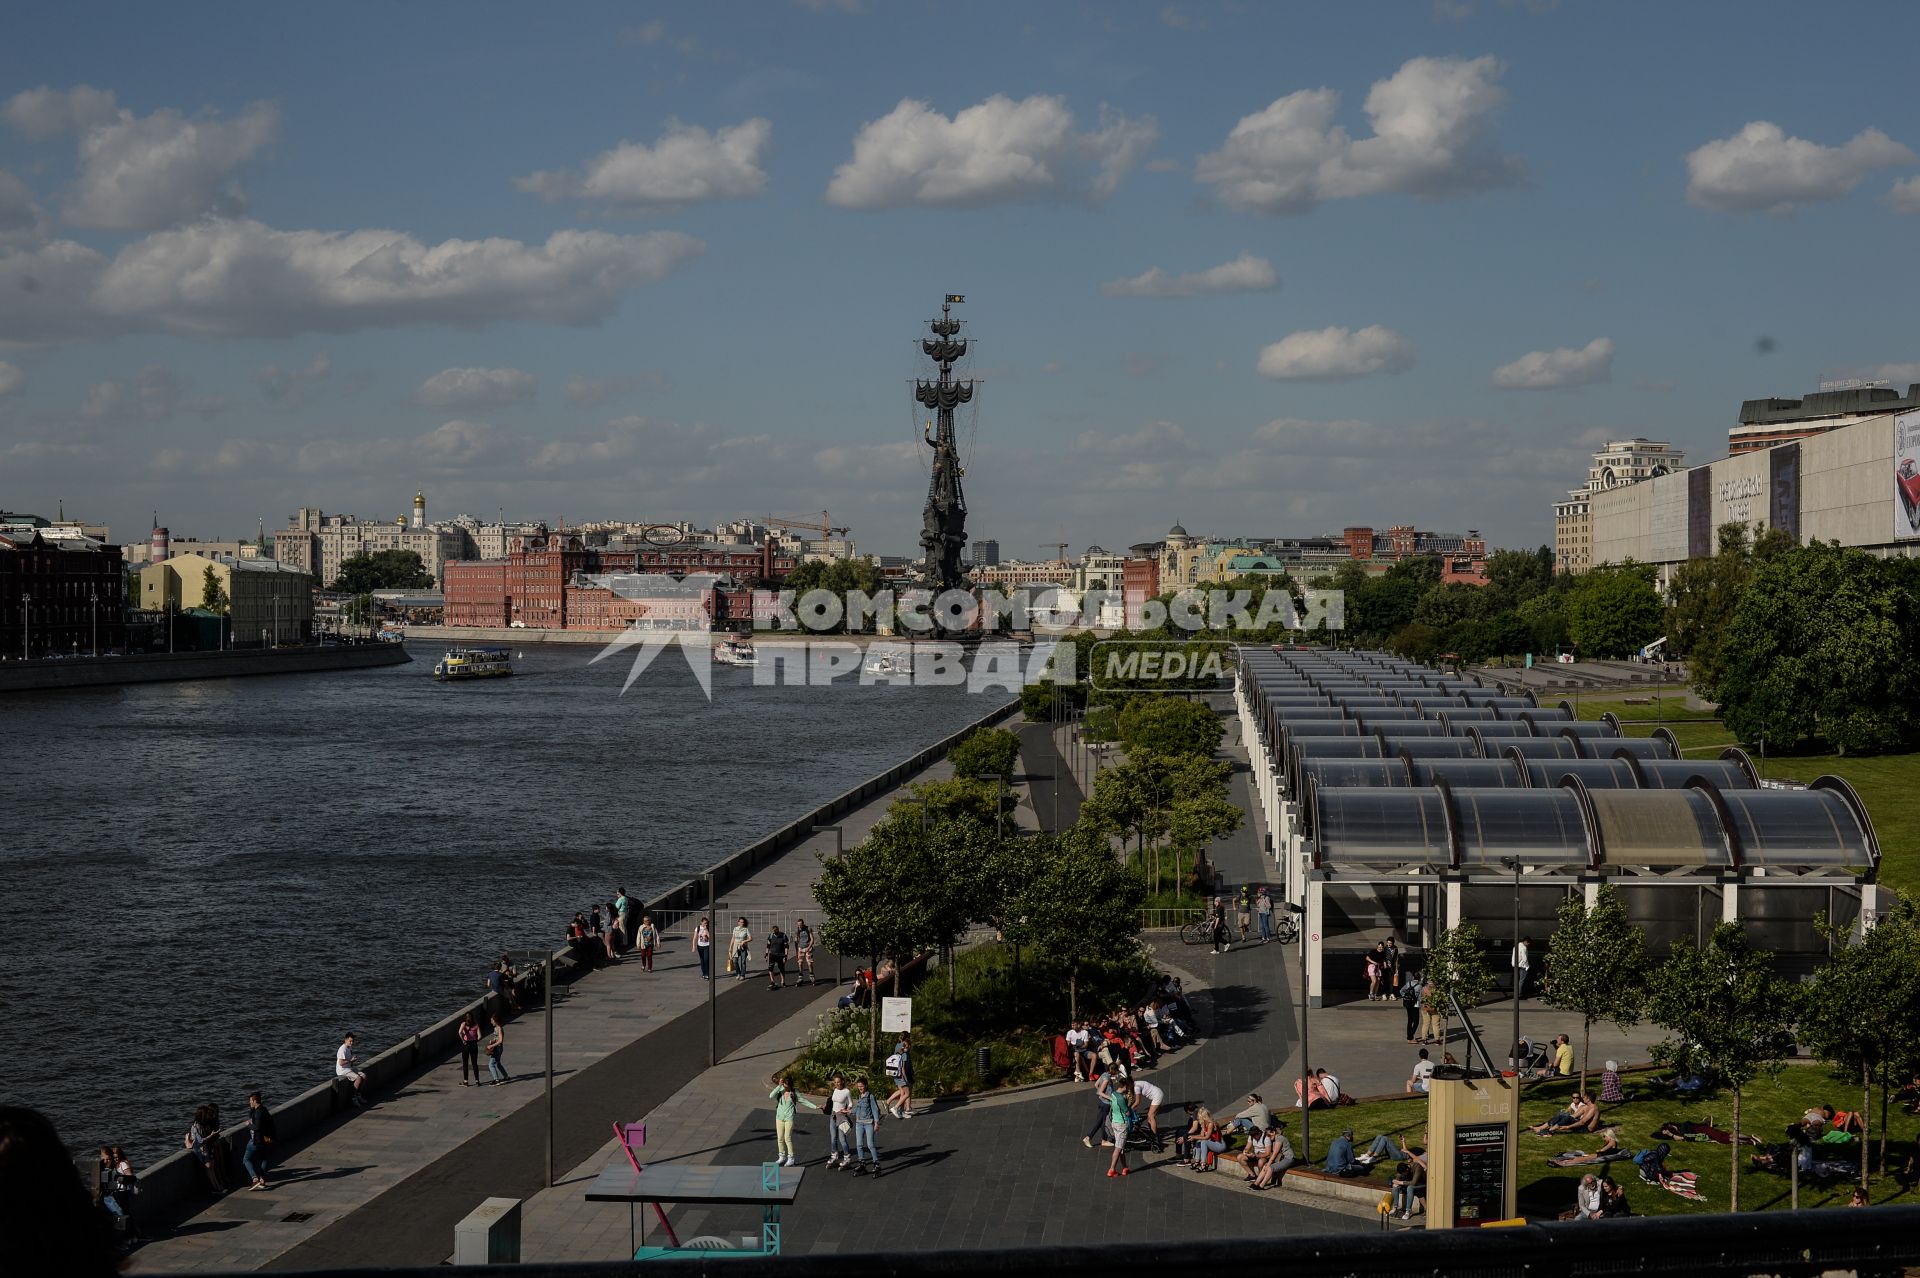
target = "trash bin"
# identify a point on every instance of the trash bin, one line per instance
(983, 1061)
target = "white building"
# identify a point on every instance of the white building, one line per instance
(1615, 465)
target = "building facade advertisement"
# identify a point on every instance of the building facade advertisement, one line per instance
(1906, 475)
(1783, 484)
(1699, 513)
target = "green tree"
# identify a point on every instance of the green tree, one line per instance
(383, 570)
(1596, 966)
(1515, 576)
(1545, 617)
(1821, 648)
(1415, 642)
(1458, 966)
(1614, 610)
(1081, 905)
(1170, 725)
(1041, 702)
(213, 595)
(1729, 1015)
(1862, 1012)
(986, 752)
(839, 578)
(1451, 603)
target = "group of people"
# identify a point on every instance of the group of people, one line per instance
(853, 1112)
(1252, 915)
(1132, 1036)
(777, 948)
(203, 1139)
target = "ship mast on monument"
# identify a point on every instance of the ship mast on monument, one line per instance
(943, 529)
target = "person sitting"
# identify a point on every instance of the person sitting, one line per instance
(1197, 1117)
(1563, 1056)
(1279, 1158)
(1614, 1200)
(1409, 1186)
(1589, 1200)
(1422, 1075)
(1340, 1159)
(1610, 1091)
(1208, 1142)
(1608, 1151)
(1253, 1155)
(1384, 1149)
(1062, 1054)
(1859, 1198)
(1686, 1082)
(1316, 1092)
(1255, 1117)
(1330, 1087)
(1575, 1117)
(1841, 1121)
(1653, 1163)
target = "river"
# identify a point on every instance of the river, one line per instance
(207, 884)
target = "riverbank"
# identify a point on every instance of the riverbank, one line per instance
(168, 667)
(338, 1165)
(599, 638)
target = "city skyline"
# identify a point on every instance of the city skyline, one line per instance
(1264, 272)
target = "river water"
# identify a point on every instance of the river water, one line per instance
(206, 884)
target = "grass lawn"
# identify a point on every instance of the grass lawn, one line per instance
(1885, 782)
(1765, 1110)
(947, 1028)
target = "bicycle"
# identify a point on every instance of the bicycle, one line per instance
(1198, 930)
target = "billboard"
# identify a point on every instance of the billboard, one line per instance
(1783, 482)
(1906, 475)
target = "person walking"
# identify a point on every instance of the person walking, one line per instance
(1430, 1019)
(776, 958)
(866, 1123)
(496, 1047)
(802, 952)
(1522, 962)
(1263, 910)
(469, 1036)
(624, 905)
(786, 1104)
(1244, 915)
(260, 1134)
(1410, 1000)
(900, 1070)
(1221, 944)
(738, 949)
(345, 1066)
(839, 1123)
(646, 940)
(1119, 1123)
(703, 946)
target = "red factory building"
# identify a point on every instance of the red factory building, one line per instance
(541, 584)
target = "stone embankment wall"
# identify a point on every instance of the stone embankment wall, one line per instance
(167, 667)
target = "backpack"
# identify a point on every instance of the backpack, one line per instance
(895, 1064)
(1409, 994)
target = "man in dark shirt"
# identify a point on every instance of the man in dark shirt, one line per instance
(776, 958)
(260, 1134)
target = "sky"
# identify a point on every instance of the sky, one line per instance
(1262, 269)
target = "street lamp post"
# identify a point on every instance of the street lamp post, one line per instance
(1306, 1114)
(1514, 1051)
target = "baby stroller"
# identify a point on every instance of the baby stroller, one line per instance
(1530, 1060)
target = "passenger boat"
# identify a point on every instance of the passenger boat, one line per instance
(888, 661)
(473, 663)
(736, 652)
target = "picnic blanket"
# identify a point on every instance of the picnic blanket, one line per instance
(1581, 1158)
(1682, 1183)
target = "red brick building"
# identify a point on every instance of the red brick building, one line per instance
(476, 593)
(59, 594)
(1139, 582)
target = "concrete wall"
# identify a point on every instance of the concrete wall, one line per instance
(176, 1181)
(1846, 485)
(162, 667)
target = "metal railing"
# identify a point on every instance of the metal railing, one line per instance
(1160, 920)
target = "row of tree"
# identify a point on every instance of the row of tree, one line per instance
(1730, 1016)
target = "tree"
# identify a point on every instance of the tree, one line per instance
(1729, 1015)
(1457, 966)
(1614, 611)
(1170, 725)
(1821, 648)
(986, 752)
(1863, 1010)
(1451, 603)
(213, 595)
(1596, 966)
(1415, 642)
(1081, 905)
(1545, 616)
(383, 570)
(1515, 576)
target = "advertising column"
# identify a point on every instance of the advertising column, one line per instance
(1471, 1129)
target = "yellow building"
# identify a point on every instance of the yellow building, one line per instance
(268, 602)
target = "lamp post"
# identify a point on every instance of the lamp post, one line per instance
(93, 600)
(26, 626)
(1513, 862)
(1306, 1114)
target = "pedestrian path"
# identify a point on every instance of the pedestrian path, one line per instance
(386, 1186)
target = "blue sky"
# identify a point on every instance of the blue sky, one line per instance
(667, 261)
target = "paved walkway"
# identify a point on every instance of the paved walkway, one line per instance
(386, 1186)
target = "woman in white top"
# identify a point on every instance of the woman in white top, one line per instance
(840, 1123)
(703, 946)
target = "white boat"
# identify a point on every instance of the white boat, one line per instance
(736, 652)
(473, 663)
(889, 662)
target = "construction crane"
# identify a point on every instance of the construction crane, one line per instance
(825, 527)
(1058, 547)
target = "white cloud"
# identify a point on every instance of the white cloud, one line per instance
(1430, 120)
(287, 383)
(246, 279)
(156, 394)
(45, 112)
(1905, 196)
(998, 150)
(1561, 366)
(475, 388)
(11, 379)
(1761, 168)
(1336, 354)
(139, 172)
(1244, 274)
(20, 216)
(457, 447)
(687, 165)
